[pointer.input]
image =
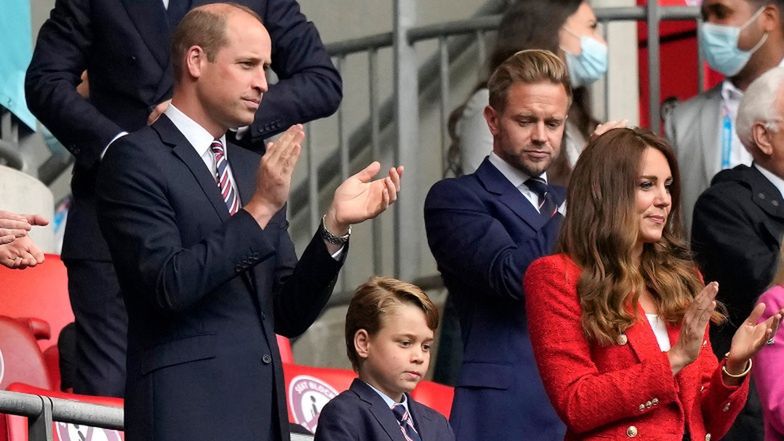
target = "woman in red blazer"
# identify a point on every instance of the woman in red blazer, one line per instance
(619, 321)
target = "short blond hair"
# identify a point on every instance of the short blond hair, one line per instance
(376, 298)
(529, 66)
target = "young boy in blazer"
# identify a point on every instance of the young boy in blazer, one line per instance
(389, 332)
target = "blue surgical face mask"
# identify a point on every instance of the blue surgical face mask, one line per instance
(590, 64)
(719, 46)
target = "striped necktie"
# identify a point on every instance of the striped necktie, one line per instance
(547, 207)
(406, 423)
(224, 178)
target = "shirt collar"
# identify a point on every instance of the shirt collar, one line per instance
(196, 135)
(514, 175)
(775, 180)
(389, 401)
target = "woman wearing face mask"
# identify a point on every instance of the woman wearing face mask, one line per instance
(565, 27)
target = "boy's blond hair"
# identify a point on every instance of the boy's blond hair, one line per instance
(377, 297)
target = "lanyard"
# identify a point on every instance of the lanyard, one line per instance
(726, 139)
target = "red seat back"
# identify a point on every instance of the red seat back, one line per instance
(20, 358)
(286, 353)
(435, 395)
(309, 388)
(39, 292)
(17, 425)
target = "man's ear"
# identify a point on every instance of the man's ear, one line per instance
(761, 136)
(195, 58)
(362, 343)
(492, 118)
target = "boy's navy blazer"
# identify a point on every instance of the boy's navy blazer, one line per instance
(360, 413)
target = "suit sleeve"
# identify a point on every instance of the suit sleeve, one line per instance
(140, 222)
(309, 86)
(730, 251)
(767, 366)
(58, 61)
(583, 397)
(470, 244)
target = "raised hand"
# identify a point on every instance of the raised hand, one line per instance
(358, 198)
(20, 254)
(273, 179)
(607, 126)
(751, 336)
(695, 320)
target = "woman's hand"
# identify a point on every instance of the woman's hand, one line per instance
(751, 337)
(607, 126)
(689, 344)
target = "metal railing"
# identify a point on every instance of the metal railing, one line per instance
(41, 411)
(401, 111)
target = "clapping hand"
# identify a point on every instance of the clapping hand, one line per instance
(359, 198)
(751, 336)
(20, 254)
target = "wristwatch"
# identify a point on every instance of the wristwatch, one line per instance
(331, 238)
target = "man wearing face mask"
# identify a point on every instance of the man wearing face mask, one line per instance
(741, 39)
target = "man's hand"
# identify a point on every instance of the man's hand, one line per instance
(20, 254)
(273, 179)
(157, 111)
(358, 198)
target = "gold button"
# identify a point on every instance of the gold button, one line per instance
(702, 389)
(631, 431)
(726, 408)
(655, 401)
(622, 339)
(707, 437)
(648, 404)
(642, 407)
(705, 342)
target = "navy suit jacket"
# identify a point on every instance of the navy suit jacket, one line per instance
(361, 414)
(124, 46)
(206, 292)
(483, 234)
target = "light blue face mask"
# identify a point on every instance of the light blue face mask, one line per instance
(719, 46)
(590, 64)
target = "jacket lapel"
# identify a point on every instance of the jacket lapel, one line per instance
(641, 338)
(184, 150)
(422, 420)
(496, 183)
(710, 133)
(379, 409)
(149, 17)
(244, 165)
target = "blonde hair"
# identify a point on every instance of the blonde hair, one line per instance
(376, 298)
(529, 67)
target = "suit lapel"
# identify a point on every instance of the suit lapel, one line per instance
(149, 17)
(710, 132)
(244, 165)
(496, 183)
(641, 338)
(422, 420)
(379, 409)
(184, 150)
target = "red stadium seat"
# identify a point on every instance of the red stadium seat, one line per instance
(20, 358)
(16, 426)
(39, 292)
(309, 388)
(286, 354)
(435, 395)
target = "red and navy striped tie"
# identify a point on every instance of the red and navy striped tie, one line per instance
(224, 178)
(406, 424)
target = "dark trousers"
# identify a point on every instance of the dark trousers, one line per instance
(101, 328)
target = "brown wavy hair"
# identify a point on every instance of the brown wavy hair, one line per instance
(601, 229)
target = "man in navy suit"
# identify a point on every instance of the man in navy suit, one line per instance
(124, 47)
(484, 229)
(198, 234)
